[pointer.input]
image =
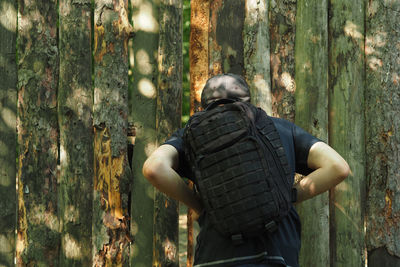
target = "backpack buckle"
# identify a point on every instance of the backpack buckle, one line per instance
(237, 239)
(271, 226)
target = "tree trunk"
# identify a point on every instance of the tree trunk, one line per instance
(256, 43)
(311, 94)
(112, 174)
(198, 60)
(383, 136)
(143, 115)
(346, 129)
(8, 133)
(198, 51)
(75, 105)
(168, 120)
(282, 34)
(225, 38)
(38, 226)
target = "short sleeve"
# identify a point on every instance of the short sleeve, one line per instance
(176, 140)
(303, 141)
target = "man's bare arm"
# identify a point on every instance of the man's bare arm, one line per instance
(160, 168)
(329, 170)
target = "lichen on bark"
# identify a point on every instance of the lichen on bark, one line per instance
(37, 224)
(111, 170)
(382, 121)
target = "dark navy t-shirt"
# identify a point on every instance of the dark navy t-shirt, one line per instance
(280, 248)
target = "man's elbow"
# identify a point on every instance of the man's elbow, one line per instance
(151, 169)
(342, 170)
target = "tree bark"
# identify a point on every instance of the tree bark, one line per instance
(75, 105)
(168, 120)
(198, 61)
(8, 133)
(225, 38)
(311, 58)
(37, 225)
(143, 103)
(198, 51)
(256, 43)
(383, 135)
(111, 237)
(282, 34)
(346, 129)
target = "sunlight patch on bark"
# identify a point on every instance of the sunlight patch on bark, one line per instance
(5, 244)
(147, 88)
(63, 156)
(9, 117)
(72, 249)
(144, 65)
(262, 85)
(144, 19)
(253, 9)
(374, 63)
(351, 30)
(7, 16)
(183, 221)
(288, 82)
(40, 216)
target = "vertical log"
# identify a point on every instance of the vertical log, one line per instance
(198, 61)
(346, 129)
(143, 115)
(311, 58)
(112, 175)
(382, 115)
(75, 105)
(198, 51)
(282, 34)
(190, 234)
(256, 44)
(168, 120)
(38, 226)
(8, 133)
(225, 38)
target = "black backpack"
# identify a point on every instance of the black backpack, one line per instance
(240, 168)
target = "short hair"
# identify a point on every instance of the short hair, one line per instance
(227, 85)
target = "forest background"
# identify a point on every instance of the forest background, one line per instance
(88, 88)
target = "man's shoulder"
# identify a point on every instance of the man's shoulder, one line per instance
(283, 126)
(176, 139)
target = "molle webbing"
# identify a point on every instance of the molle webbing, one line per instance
(242, 172)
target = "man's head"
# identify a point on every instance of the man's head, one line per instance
(225, 86)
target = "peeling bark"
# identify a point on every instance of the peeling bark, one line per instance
(346, 129)
(282, 34)
(111, 237)
(311, 58)
(383, 136)
(8, 133)
(168, 120)
(37, 225)
(75, 105)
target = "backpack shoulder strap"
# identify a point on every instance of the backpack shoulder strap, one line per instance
(267, 128)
